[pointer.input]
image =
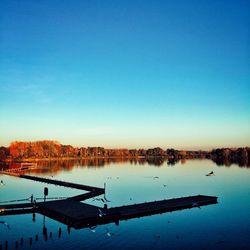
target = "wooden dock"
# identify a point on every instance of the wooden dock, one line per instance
(80, 215)
(61, 183)
(76, 214)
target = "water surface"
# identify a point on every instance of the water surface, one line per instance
(223, 225)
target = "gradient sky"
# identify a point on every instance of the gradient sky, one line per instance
(126, 73)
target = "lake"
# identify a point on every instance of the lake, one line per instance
(225, 225)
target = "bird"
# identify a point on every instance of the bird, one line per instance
(210, 174)
(156, 177)
(164, 185)
(109, 234)
(101, 213)
(106, 199)
(195, 204)
(98, 199)
(92, 229)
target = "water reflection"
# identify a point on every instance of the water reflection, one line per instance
(226, 224)
(55, 166)
(45, 234)
(113, 215)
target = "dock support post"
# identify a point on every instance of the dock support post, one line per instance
(59, 233)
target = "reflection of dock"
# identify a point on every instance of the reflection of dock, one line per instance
(76, 214)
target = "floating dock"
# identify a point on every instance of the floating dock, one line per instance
(76, 214)
(61, 183)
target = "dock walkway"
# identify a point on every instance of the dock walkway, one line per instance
(61, 183)
(76, 214)
(79, 215)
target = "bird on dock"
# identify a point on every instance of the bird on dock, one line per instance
(101, 213)
(5, 223)
(210, 174)
(195, 204)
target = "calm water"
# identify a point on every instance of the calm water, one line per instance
(225, 225)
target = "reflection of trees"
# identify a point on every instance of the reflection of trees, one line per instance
(55, 166)
(156, 161)
(227, 157)
(99, 156)
(61, 157)
(172, 161)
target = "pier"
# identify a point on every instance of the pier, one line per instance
(72, 212)
(62, 183)
(79, 215)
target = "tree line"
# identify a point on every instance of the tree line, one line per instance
(46, 149)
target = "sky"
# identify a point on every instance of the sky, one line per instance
(126, 74)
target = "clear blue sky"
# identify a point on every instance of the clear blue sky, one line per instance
(126, 73)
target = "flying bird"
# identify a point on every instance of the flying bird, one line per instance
(106, 199)
(210, 174)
